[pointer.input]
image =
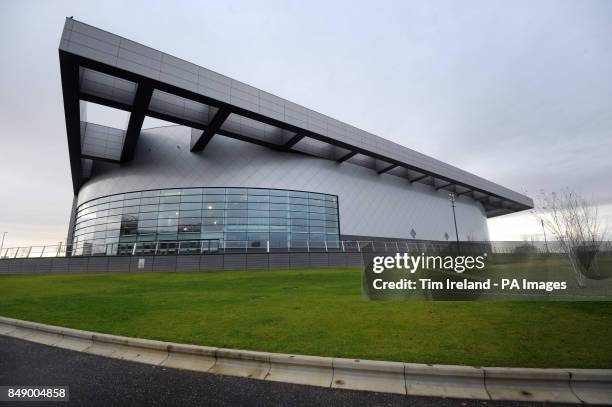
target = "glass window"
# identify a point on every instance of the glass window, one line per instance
(190, 221)
(214, 213)
(317, 209)
(259, 198)
(148, 215)
(298, 208)
(191, 191)
(235, 221)
(237, 205)
(168, 207)
(299, 222)
(298, 201)
(212, 228)
(234, 228)
(213, 198)
(236, 198)
(213, 205)
(215, 191)
(131, 202)
(279, 199)
(149, 194)
(132, 195)
(189, 206)
(171, 199)
(298, 194)
(259, 205)
(212, 221)
(255, 215)
(149, 208)
(191, 198)
(149, 201)
(235, 213)
(259, 221)
(299, 215)
(235, 236)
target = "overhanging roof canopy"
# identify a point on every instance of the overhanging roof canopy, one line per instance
(104, 68)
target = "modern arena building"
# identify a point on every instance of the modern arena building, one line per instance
(241, 169)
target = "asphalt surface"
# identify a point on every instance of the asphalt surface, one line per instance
(100, 381)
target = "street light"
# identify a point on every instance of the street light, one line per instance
(451, 198)
(545, 240)
(2, 244)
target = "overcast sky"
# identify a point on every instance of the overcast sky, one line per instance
(519, 92)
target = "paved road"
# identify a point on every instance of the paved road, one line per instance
(99, 381)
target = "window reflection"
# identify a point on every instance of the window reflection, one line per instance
(234, 217)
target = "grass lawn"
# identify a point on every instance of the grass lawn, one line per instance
(318, 312)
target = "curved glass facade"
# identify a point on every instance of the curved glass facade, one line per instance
(206, 219)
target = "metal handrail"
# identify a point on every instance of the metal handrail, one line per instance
(212, 246)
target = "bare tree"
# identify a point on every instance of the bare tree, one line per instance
(575, 224)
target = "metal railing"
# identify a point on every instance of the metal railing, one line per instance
(186, 247)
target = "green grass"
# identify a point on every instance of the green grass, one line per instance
(318, 312)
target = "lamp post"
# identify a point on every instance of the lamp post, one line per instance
(451, 198)
(545, 240)
(2, 244)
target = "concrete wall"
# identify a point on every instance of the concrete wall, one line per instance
(208, 262)
(370, 204)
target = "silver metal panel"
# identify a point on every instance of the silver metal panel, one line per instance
(166, 103)
(106, 86)
(370, 204)
(101, 141)
(98, 45)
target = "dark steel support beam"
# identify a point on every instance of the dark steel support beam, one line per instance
(178, 91)
(213, 127)
(293, 141)
(443, 186)
(469, 191)
(69, 70)
(137, 116)
(105, 102)
(419, 178)
(347, 156)
(389, 168)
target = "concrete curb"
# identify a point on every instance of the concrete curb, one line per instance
(589, 386)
